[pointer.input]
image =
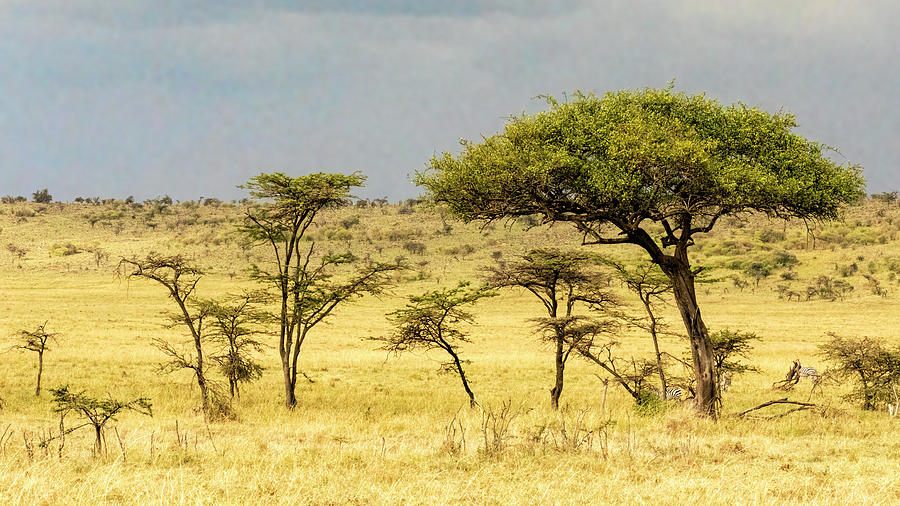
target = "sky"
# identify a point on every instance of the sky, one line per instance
(190, 98)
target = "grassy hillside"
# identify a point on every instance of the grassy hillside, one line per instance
(373, 428)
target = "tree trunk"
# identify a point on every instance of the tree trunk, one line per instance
(556, 391)
(204, 391)
(290, 399)
(707, 398)
(37, 390)
(99, 435)
(462, 376)
(662, 373)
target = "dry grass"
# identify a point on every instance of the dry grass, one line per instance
(374, 429)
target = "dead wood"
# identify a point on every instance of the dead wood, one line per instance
(803, 406)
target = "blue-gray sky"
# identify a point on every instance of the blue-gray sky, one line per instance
(113, 98)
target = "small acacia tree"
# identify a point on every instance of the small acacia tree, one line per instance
(304, 282)
(96, 412)
(616, 164)
(729, 346)
(36, 341)
(649, 284)
(180, 277)
(235, 324)
(430, 321)
(872, 365)
(42, 196)
(560, 280)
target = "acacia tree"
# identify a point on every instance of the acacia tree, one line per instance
(235, 324)
(430, 321)
(870, 365)
(649, 284)
(180, 277)
(652, 168)
(559, 279)
(97, 412)
(729, 346)
(308, 293)
(36, 341)
(592, 339)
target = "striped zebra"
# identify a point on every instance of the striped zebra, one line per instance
(724, 381)
(674, 394)
(806, 372)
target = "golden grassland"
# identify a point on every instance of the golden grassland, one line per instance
(378, 429)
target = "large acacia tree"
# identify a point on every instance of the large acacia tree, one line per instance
(654, 168)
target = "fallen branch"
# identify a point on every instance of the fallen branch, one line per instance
(804, 405)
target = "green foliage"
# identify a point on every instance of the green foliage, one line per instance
(629, 156)
(432, 320)
(292, 202)
(95, 409)
(96, 412)
(649, 403)
(558, 278)
(829, 288)
(872, 366)
(64, 249)
(339, 234)
(236, 323)
(618, 164)
(758, 270)
(42, 196)
(784, 259)
(729, 346)
(290, 206)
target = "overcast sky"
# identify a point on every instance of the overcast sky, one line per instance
(113, 98)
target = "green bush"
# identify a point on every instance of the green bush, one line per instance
(64, 249)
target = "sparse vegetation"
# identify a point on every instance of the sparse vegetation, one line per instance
(627, 170)
(431, 321)
(384, 424)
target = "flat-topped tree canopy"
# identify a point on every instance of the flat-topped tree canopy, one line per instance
(303, 195)
(609, 164)
(652, 154)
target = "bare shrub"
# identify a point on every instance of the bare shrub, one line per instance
(495, 428)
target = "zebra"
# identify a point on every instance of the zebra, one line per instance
(724, 381)
(672, 394)
(806, 372)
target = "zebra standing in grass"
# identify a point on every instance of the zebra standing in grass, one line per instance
(724, 381)
(806, 372)
(672, 394)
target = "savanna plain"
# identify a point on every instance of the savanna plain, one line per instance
(371, 427)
